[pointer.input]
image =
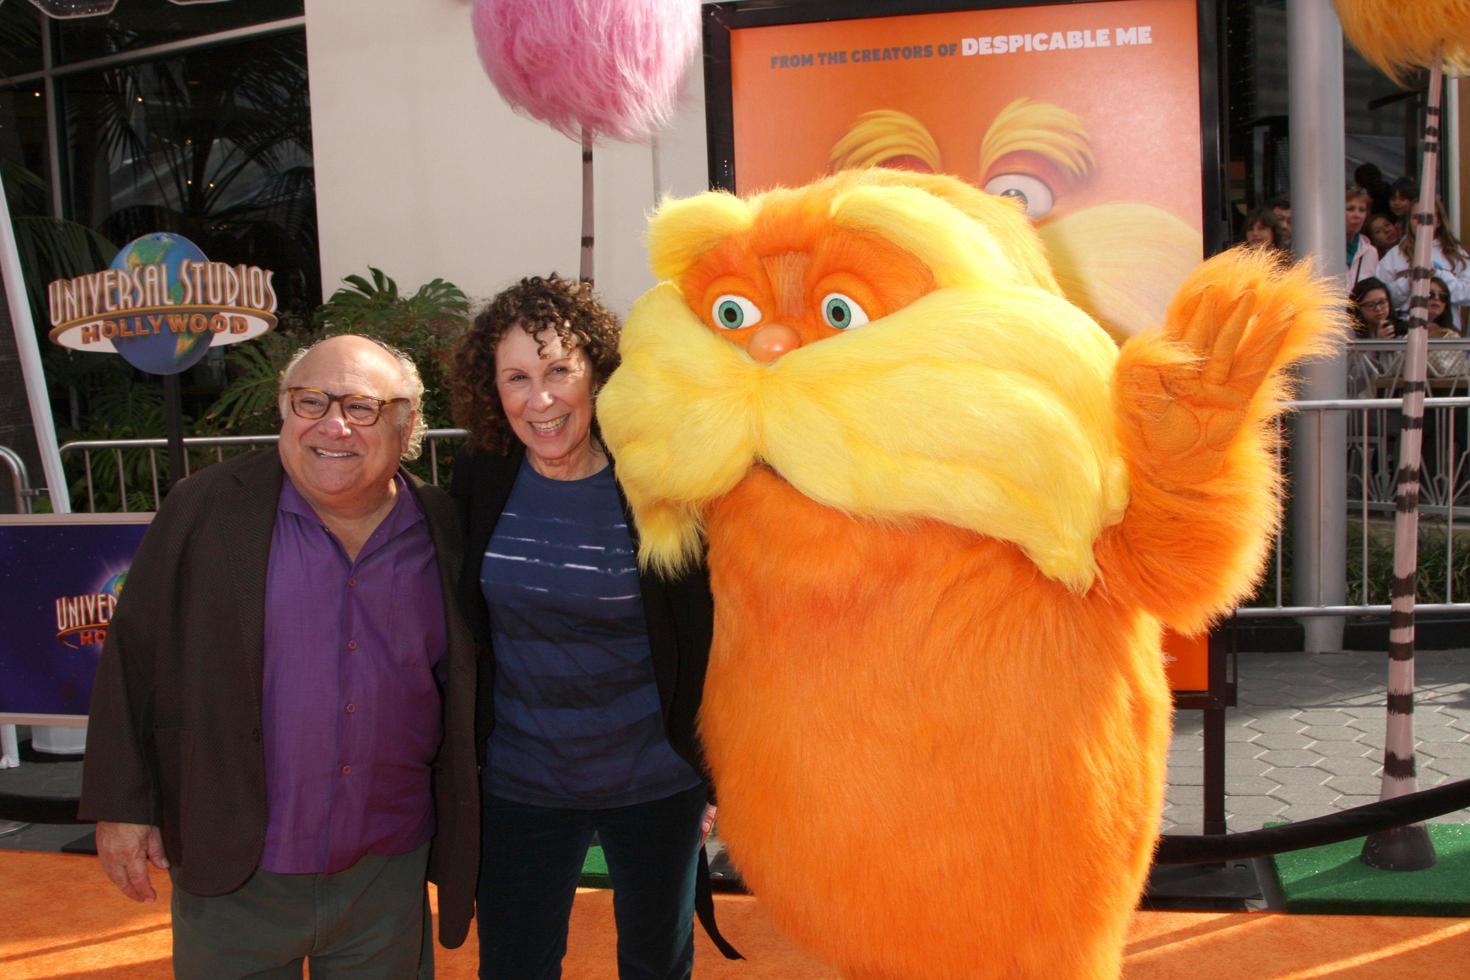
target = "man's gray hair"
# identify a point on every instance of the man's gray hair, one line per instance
(413, 387)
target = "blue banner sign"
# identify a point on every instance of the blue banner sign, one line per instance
(61, 576)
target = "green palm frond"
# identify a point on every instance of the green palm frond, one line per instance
(426, 325)
(248, 402)
(49, 248)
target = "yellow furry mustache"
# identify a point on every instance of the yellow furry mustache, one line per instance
(986, 410)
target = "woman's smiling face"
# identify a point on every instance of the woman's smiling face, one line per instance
(545, 389)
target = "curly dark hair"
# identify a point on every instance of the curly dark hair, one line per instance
(534, 304)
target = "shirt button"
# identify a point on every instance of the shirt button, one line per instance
(352, 583)
(346, 770)
(351, 708)
(352, 644)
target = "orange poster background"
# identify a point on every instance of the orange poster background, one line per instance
(1187, 661)
(1139, 104)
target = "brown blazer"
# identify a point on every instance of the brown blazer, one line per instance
(174, 734)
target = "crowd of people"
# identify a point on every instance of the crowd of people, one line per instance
(1379, 252)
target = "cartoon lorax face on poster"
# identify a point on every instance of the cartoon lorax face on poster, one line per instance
(1040, 155)
(1087, 115)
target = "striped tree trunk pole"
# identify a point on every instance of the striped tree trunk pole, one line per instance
(1409, 848)
(587, 217)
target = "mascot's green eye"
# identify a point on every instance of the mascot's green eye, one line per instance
(733, 312)
(842, 311)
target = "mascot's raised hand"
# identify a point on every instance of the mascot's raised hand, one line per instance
(945, 517)
(1195, 404)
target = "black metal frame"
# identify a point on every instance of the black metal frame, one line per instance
(1213, 701)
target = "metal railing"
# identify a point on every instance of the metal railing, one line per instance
(217, 447)
(1371, 456)
(1375, 381)
(1372, 460)
(20, 479)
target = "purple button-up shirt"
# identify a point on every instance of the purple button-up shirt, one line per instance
(350, 708)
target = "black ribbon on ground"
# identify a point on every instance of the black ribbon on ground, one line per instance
(1342, 825)
(704, 907)
(39, 809)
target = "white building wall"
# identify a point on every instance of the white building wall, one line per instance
(422, 169)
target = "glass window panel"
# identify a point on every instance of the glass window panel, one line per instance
(20, 39)
(143, 23)
(23, 142)
(213, 144)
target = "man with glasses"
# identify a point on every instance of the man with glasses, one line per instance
(283, 713)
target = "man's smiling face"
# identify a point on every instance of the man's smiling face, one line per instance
(337, 465)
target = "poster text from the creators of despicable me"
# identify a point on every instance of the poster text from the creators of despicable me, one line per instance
(1072, 105)
(1087, 113)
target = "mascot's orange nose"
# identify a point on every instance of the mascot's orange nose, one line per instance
(771, 341)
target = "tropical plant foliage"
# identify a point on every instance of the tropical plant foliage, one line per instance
(426, 325)
(49, 248)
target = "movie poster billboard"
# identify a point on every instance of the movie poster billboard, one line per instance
(61, 577)
(1101, 118)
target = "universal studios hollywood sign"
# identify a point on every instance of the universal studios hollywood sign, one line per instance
(162, 304)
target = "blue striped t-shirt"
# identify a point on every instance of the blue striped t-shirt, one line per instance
(577, 718)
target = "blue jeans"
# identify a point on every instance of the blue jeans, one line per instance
(530, 862)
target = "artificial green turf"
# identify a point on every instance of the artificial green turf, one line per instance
(594, 869)
(1331, 879)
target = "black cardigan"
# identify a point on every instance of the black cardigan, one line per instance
(679, 612)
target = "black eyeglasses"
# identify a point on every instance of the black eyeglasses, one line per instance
(1442, 297)
(313, 403)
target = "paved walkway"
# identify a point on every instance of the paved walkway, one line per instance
(1307, 737)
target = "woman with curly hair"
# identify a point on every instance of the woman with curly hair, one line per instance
(595, 668)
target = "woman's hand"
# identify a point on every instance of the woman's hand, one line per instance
(707, 823)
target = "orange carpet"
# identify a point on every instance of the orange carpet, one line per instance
(59, 917)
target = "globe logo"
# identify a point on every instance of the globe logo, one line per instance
(114, 585)
(164, 352)
(161, 304)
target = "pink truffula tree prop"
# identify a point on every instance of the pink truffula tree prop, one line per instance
(1396, 35)
(589, 68)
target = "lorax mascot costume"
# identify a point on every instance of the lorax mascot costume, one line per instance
(945, 517)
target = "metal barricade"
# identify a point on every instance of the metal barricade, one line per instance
(20, 479)
(1372, 457)
(218, 447)
(1372, 463)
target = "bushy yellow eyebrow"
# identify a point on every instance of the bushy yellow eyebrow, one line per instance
(1043, 128)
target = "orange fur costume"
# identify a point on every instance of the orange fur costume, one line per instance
(945, 516)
